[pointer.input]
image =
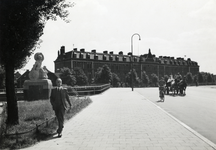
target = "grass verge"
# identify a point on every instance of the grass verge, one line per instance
(37, 112)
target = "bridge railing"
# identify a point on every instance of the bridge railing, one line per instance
(87, 90)
(73, 91)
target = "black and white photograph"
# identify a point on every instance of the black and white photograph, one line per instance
(108, 74)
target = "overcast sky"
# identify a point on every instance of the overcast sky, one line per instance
(177, 28)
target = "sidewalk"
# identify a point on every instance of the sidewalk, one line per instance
(120, 119)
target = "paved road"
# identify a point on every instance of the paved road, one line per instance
(197, 109)
(120, 119)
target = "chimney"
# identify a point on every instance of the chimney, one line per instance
(120, 53)
(82, 50)
(93, 51)
(62, 50)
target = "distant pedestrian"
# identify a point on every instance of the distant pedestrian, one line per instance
(161, 85)
(58, 99)
(196, 82)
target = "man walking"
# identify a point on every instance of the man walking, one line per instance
(58, 99)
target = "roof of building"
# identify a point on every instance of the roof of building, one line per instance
(105, 56)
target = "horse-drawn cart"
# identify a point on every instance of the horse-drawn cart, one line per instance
(176, 87)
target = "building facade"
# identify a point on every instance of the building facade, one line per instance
(121, 64)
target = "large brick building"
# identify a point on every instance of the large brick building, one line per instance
(121, 63)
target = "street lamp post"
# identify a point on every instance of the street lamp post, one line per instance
(132, 57)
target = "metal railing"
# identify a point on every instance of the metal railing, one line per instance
(88, 90)
(76, 90)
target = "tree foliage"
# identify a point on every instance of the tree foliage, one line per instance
(103, 75)
(200, 78)
(154, 79)
(21, 26)
(81, 78)
(115, 80)
(145, 79)
(67, 76)
(106, 74)
(189, 77)
(210, 78)
(97, 75)
(132, 74)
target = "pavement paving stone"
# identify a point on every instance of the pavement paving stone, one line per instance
(120, 119)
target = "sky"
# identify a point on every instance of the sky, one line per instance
(176, 28)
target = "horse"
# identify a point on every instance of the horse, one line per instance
(172, 85)
(182, 87)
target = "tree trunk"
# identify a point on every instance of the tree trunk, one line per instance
(12, 109)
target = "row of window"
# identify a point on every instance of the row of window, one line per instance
(123, 58)
(104, 57)
(122, 67)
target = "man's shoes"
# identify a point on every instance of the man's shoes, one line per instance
(59, 135)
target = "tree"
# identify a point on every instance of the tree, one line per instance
(115, 80)
(195, 79)
(128, 79)
(209, 78)
(154, 79)
(21, 26)
(213, 78)
(81, 78)
(106, 74)
(189, 77)
(103, 75)
(67, 76)
(138, 82)
(97, 75)
(145, 79)
(200, 78)
(129, 75)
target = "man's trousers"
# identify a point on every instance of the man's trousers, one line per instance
(60, 112)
